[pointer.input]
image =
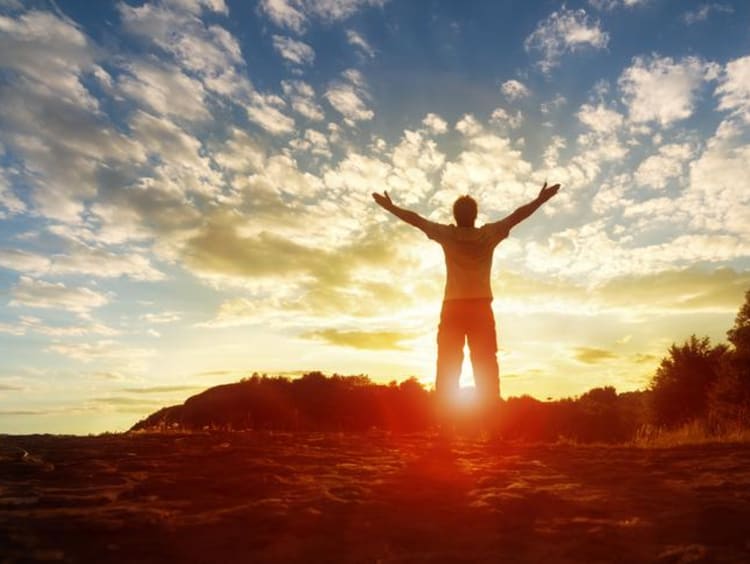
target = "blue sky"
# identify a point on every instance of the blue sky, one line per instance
(185, 190)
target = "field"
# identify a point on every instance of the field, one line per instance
(368, 497)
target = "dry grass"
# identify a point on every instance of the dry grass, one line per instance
(695, 432)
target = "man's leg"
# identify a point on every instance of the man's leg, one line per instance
(450, 356)
(483, 346)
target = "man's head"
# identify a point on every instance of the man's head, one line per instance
(465, 211)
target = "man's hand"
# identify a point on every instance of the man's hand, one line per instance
(548, 191)
(383, 200)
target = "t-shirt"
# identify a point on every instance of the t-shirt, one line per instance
(468, 257)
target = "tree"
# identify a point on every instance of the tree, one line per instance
(730, 396)
(682, 382)
(739, 335)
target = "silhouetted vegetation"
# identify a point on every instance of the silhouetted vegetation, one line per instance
(354, 403)
(710, 385)
(697, 385)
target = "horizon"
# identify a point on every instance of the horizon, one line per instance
(185, 191)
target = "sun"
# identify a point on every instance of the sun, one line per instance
(467, 371)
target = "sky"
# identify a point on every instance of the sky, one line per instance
(185, 191)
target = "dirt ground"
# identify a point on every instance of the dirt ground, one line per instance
(315, 497)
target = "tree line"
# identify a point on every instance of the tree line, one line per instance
(695, 382)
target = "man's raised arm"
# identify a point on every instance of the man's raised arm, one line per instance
(525, 211)
(410, 217)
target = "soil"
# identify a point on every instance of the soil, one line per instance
(368, 497)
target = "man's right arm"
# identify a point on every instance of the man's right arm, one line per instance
(410, 217)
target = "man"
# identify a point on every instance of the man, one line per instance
(467, 304)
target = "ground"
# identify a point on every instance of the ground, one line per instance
(341, 497)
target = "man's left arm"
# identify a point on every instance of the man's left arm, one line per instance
(526, 210)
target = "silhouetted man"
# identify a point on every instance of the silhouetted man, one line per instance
(467, 304)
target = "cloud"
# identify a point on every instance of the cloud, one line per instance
(348, 97)
(295, 14)
(51, 121)
(8, 199)
(12, 329)
(90, 327)
(669, 162)
(612, 4)
(701, 14)
(551, 105)
(734, 88)
(294, 51)
(209, 52)
(591, 355)
(301, 96)
(565, 31)
(81, 259)
(716, 200)
(371, 340)
(313, 142)
(600, 118)
(435, 124)
(662, 90)
(356, 40)
(502, 117)
(285, 13)
(265, 112)
(162, 317)
(34, 293)
(100, 350)
(488, 167)
(161, 389)
(165, 90)
(514, 90)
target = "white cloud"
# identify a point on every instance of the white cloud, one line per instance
(40, 294)
(183, 168)
(51, 51)
(469, 126)
(90, 327)
(208, 51)
(165, 90)
(668, 163)
(600, 118)
(488, 167)
(285, 13)
(8, 200)
(612, 4)
(596, 253)
(514, 90)
(553, 104)
(734, 88)
(240, 153)
(348, 97)
(552, 152)
(356, 40)
(301, 97)
(717, 199)
(23, 261)
(435, 124)
(50, 119)
(314, 142)
(265, 112)
(701, 14)
(162, 317)
(294, 51)
(100, 350)
(663, 90)
(295, 14)
(501, 117)
(566, 31)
